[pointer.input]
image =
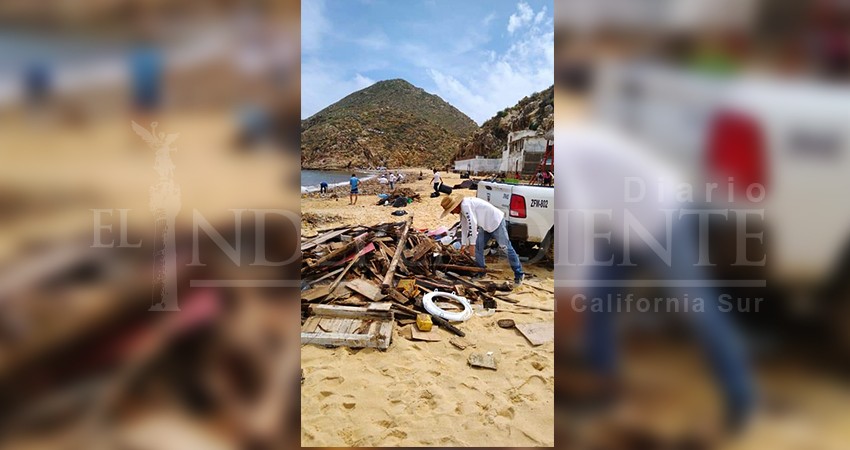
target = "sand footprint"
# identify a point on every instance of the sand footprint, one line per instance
(334, 379)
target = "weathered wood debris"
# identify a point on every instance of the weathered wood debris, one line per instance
(390, 262)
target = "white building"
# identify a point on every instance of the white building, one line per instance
(524, 151)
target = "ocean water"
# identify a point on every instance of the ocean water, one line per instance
(310, 179)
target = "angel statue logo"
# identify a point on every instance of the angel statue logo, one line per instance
(164, 204)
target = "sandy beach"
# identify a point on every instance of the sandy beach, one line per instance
(424, 393)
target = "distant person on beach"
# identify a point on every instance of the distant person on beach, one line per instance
(479, 222)
(38, 83)
(437, 181)
(355, 185)
(392, 180)
(323, 187)
(146, 74)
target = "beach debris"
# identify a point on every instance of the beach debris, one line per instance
(447, 325)
(428, 336)
(505, 323)
(435, 310)
(349, 326)
(388, 277)
(366, 288)
(399, 212)
(537, 333)
(407, 286)
(484, 360)
(467, 184)
(423, 322)
(395, 265)
(461, 343)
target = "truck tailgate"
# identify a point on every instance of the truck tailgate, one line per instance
(497, 194)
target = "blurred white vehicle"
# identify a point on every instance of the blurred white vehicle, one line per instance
(790, 136)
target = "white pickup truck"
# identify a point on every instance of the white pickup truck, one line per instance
(529, 213)
(791, 136)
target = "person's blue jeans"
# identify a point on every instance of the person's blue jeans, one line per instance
(501, 236)
(715, 333)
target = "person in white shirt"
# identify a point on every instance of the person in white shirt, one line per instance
(620, 220)
(437, 181)
(392, 180)
(479, 222)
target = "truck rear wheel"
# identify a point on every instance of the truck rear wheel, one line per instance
(534, 253)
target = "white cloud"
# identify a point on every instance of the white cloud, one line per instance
(540, 15)
(322, 84)
(314, 25)
(498, 80)
(523, 16)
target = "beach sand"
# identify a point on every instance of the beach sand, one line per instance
(425, 393)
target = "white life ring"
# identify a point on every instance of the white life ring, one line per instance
(462, 316)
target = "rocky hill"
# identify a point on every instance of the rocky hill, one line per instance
(391, 123)
(535, 112)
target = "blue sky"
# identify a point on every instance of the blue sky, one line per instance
(479, 55)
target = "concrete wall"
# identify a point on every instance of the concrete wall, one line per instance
(478, 165)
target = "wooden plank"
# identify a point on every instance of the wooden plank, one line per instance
(322, 238)
(383, 306)
(402, 241)
(344, 340)
(422, 249)
(537, 333)
(398, 296)
(349, 311)
(311, 324)
(354, 259)
(359, 241)
(385, 333)
(366, 289)
(428, 336)
(314, 293)
(333, 325)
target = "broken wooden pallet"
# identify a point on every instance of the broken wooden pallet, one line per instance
(349, 326)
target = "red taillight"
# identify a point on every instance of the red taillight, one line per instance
(518, 206)
(736, 150)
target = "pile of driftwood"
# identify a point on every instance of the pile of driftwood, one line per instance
(392, 264)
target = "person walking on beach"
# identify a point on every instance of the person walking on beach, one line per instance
(437, 181)
(479, 222)
(392, 181)
(355, 185)
(323, 187)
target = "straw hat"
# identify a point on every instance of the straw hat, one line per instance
(449, 203)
